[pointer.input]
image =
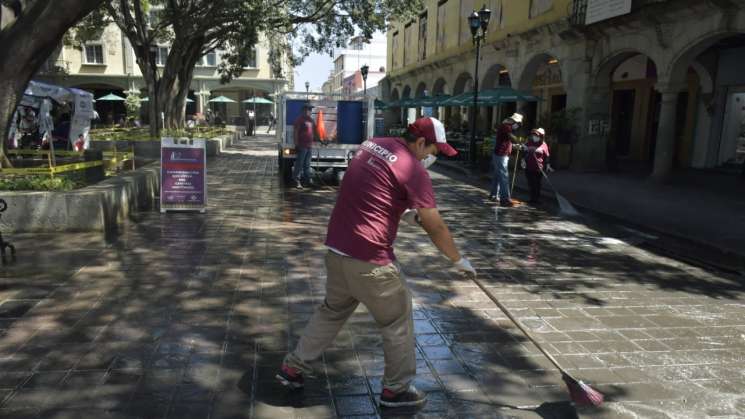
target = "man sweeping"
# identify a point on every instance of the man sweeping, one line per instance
(383, 181)
(500, 184)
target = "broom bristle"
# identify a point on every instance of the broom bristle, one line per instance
(582, 394)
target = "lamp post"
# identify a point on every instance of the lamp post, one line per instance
(478, 22)
(364, 69)
(307, 87)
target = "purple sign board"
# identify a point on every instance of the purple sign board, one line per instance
(183, 174)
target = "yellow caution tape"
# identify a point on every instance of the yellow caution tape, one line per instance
(52, 170)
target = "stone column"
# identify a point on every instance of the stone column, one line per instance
(665, 146)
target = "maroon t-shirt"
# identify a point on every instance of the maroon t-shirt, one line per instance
(503, 146)
(535, 156)
(382, 181)
(303, 125)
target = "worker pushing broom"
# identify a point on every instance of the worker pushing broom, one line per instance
(386, 182)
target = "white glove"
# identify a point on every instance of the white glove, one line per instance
(549, 169)
(410, 216)
(463, 265)
(523, 165)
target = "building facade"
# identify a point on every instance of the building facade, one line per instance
(108, 65)
(655, 83)
(346, 76)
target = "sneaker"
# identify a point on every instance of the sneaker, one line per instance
(492, 197)
(290, 377)
(299, 185)
(507, 204)
(409, 397)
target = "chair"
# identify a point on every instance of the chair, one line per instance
(3, 243)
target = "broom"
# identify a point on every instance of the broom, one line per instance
(580, 393)
(514, 172)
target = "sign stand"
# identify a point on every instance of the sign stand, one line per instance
(183, 175)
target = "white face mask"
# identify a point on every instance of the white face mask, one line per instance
(515, 127)
(535, 138)
(428, 161)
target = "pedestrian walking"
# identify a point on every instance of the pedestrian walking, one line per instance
(500, 184)
(385, 182)
(250, 122)
(302, 133)
(272, 122)
(535, 161)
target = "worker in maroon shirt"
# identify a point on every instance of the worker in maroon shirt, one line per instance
(385, 179)
(302, 135)
(500, 183)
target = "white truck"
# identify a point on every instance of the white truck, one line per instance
(343, 122)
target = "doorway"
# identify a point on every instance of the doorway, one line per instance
(732, 143)
(622, 121)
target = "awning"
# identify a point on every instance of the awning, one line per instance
(258, 100)
(491, 97)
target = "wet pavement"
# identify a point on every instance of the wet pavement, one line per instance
(188, 315)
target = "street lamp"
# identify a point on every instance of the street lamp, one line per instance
(307, 86)
(478, 22)
(364, 69)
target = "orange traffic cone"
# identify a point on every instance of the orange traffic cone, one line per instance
(320, 126)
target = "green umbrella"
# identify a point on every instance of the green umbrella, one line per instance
(112, 98)
(431, 101)
(258, 100)
(379, 104)
(144, 99)
(222, 99)
(491, 97)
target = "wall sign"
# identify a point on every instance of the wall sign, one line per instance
(598, 10)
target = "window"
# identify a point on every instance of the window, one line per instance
(497, 16)
(209, 59)
(539, 7)
(93, 54)
(409, 55)
(423, 37)
(250, 61)
(441, 25)
(394, 48)
(161, 56)
(466, 8)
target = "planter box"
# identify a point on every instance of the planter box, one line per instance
(100, 207)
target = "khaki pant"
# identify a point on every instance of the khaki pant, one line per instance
(385, 294)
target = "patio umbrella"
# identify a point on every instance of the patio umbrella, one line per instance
(431, 101)
(112, 98)
(221, 99)
(491, 97)
(144, 99)
(258, 100)
(379, 104)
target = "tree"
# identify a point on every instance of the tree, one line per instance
(196, 27)
(233, 26)
(31, 31)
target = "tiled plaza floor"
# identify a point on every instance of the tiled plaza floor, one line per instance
(188, 315)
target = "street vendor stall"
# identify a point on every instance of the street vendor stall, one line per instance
(32, 126)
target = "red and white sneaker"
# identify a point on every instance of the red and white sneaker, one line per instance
(290, 377)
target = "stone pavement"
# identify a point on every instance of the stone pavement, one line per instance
(188, 315)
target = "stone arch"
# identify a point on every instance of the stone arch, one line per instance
(421, 90)
(496, 75)
(463, 83)
(440, 87)
(406, 92)
(394, 94)
(624, 100)
(686, 56)
(527, 76)
(707, 139)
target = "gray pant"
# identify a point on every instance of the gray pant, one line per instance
(301, 171)
(383, 291)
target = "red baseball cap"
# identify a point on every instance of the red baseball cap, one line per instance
(433, 132)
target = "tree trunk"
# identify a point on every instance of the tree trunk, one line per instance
(24, 46)
(144, 61)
